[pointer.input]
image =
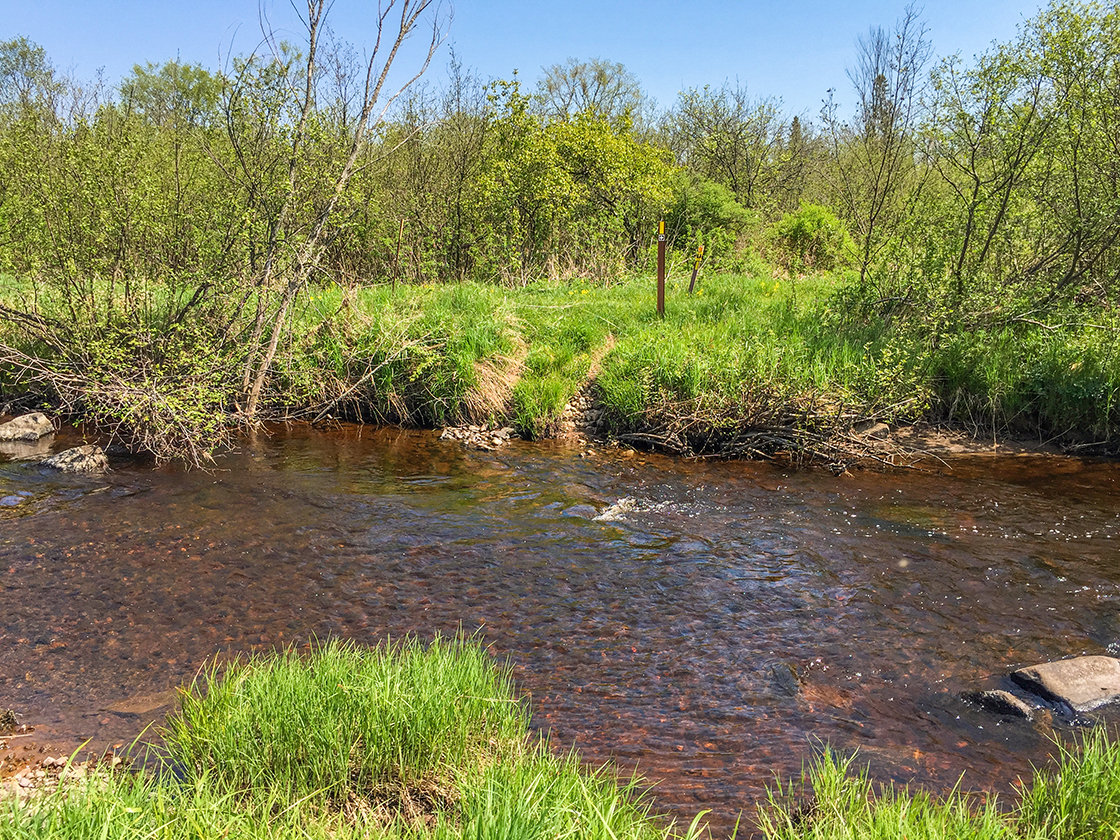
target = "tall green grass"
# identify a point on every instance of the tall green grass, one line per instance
(835, 800)
(1078, 799)
(410, 741)
(1081, 799)
(350, 720)
(431, 743)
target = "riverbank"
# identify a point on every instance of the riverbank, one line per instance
(763, 366)
(402, 740)
(433, 741)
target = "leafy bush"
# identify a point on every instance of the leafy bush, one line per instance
(705, 213)
(812, 238)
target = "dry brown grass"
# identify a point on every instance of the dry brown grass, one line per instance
(495, 378)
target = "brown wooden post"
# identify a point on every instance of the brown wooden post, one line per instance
(397, 258)
(695, 269)
(661, 269)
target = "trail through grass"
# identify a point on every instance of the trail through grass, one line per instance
(748, 364)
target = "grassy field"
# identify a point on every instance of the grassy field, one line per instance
(744, 353)
(418, 742)
(748, 365)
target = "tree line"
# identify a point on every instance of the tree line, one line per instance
(966, 176)
(975, 192)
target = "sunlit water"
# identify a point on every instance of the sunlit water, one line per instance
(708, 624)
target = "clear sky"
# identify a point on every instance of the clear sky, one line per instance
(794, 51)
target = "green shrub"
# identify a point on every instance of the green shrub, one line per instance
(705, 213)
(812, 238)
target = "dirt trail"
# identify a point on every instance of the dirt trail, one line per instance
(582, 420)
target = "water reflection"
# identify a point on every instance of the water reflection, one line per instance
(705, 623)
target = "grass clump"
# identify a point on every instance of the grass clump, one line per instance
(1079, 800)
(835, 801)
(405, 741)
(349, 721)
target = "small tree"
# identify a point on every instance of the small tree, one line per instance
(873, 155)
(600, 88)
(725, 136)
(27, 78)
(296, 220)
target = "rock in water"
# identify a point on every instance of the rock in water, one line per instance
(1083, 683)
(27, 427)
(999, 702)
(80, 459)
(479, 437)
(143, 704)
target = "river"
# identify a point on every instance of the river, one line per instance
(708, 624)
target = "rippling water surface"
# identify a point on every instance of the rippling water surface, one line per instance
(705, 623)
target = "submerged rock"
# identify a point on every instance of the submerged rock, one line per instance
(479, 437)
(1000, 703)
(15, 499)
(143, 704)
(1082, 683)
(26, 450)
(27, 427)
(80, 459)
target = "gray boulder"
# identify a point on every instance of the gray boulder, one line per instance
(1083, 683)
(27, 427)
(80, 459)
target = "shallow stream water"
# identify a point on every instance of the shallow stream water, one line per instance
(707, 624)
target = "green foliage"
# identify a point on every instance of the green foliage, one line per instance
(1079, 798)
(596, 88)
(27, 78)
(725, 136)
(705, 213)
(581, 189)
(1024, 142)
(1050, 382)
(172, 94)
(347, 720)
(812, 238)
(1082, 799)
(161, 390)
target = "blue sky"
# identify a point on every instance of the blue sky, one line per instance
(793, 51)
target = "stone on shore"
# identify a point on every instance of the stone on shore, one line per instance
(874, 431)
(27, 427)
(1082, 683)
(80, 459)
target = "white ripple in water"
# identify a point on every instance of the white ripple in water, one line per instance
(616, 512)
